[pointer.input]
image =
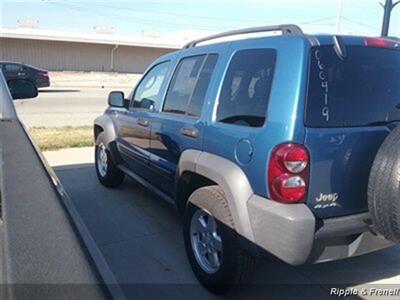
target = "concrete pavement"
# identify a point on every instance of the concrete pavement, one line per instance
(140, 237)
(64, 107)
(92, 79)
(74, 98)
(70, 157)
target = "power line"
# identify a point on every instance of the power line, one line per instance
(173, 24)
(109, 11)
(359, 23)
(128, 18)
(214, 18)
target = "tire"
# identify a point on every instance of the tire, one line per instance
(384, 188)
(108, 175)
(236, 265)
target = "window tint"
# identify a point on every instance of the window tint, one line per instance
(246, 88)
(182, 84)
(148, 93)
(362, 89)
(12, 67)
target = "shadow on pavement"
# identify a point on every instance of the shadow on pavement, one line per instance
(140, 236)
(59, 91)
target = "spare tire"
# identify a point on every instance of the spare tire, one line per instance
(384, 188)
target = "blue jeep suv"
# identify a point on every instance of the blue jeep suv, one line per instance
(282, 143)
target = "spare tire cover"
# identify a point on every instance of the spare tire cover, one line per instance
(384, 188)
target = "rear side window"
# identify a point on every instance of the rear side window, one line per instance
(360, 90)
(189, 85)
(182, 84)
(246, 88)
(199, 93)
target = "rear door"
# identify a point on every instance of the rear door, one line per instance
(353, 102)
(179, 125)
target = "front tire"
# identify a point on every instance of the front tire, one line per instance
(107, 172)
(212, 245)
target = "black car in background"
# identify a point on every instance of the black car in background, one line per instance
(14, 70)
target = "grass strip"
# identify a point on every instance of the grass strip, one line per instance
(55, 138)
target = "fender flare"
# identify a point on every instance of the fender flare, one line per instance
(105, 122)
(229, 177)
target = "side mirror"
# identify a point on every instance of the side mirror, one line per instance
(22, 89)
(116, 99)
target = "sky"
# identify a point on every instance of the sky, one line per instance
(130, 18)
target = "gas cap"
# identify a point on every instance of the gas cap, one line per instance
(243, 151)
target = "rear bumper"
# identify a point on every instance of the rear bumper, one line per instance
(292, 233)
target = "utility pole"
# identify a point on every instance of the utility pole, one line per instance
(388, 7)
(339, 15)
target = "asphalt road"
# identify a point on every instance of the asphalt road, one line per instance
(140, 237)
(64, 106)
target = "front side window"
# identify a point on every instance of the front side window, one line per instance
(245, 91)
(148, 93)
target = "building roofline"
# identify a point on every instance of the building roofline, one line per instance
(35, 34)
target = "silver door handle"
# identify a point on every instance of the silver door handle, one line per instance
(143, 122)
(190, 131)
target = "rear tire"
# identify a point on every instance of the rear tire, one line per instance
(107, 172)
(384, 188)
(235, 264)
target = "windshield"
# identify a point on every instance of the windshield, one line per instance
(361, 89)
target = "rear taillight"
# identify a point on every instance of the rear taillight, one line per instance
(288, 173)
(44, 74)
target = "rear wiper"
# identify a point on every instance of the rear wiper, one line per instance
(379, 123)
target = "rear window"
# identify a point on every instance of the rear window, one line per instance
(360, 90)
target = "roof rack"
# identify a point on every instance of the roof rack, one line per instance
(286, 29)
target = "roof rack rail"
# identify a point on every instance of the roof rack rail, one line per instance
(286, 29)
